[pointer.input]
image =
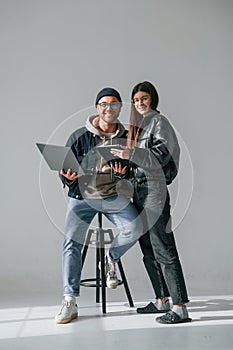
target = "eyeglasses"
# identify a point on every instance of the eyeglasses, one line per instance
(142, 99)
(112, 105)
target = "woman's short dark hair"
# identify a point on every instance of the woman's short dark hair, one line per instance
(149, 88)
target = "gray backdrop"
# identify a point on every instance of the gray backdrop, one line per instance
(55, 57)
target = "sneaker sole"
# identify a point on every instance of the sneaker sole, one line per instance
(180, 321)
(112, 287)
(151, 312)
(66, 320)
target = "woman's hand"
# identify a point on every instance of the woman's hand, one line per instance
(117, 167)
(122, 153)
(70, 176)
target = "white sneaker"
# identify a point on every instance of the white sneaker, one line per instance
(111, 276)
(68, 312)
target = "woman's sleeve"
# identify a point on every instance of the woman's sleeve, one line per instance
(161, 145)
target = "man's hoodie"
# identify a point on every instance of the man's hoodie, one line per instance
(103, 183)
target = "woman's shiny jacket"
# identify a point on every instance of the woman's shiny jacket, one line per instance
(157, 152)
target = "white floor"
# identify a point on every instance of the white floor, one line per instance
(34, 327)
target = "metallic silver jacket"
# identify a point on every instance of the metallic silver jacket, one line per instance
(157, 153)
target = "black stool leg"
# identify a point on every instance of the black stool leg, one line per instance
(131, 304)
(123, 277)
(85, 248)
(103, 277)
(97, 273)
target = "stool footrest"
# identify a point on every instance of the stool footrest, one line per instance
(87, 282)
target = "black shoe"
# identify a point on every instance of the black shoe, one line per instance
(171, 318)
(149, 309)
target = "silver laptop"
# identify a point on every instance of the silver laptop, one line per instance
(59, 157)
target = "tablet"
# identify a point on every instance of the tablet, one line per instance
(59, 157)
(105, 151)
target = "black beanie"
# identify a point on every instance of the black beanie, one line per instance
(107, 92)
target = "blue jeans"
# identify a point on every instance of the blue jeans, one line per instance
(80, 214)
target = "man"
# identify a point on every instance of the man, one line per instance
(96, 191)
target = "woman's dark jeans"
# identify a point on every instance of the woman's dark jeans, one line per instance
(158, 246)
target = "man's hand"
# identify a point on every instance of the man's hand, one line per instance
(70, 176)
(117, 167)
(122, 153)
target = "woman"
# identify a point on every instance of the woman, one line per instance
(153, 154)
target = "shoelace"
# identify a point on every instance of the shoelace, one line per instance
(66, 304)
(112, 274)
(111, 267)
